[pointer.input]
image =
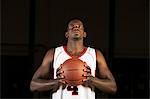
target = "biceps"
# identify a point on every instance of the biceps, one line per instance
(105, 73)
(102, 71)
(42, 72)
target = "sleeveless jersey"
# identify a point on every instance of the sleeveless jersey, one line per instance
(88, 56)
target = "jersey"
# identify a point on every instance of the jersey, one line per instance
(88, 56)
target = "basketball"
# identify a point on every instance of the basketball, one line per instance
(73, 71)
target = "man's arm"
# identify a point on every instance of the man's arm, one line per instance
(106, 82)
(40, 81)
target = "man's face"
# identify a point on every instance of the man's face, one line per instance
(75, 30)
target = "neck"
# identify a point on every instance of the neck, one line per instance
(75, 46)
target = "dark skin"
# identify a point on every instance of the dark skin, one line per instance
(75, 35)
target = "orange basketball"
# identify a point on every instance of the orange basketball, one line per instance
(73, 71)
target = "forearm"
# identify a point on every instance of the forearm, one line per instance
(104, 85)
(42, 85)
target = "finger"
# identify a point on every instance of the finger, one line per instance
(87, 75)
(59, 72)
(62, 81)
(85, 83)
(87, 66)
(58, 68)
(84, 75)
(87, 70)
(60, 76)
(84, 80)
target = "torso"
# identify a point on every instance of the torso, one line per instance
(87, 55)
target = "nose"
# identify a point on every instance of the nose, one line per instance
(76, 26)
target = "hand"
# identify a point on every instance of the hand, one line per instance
(59, 73)
(89, 78)
(60, 77)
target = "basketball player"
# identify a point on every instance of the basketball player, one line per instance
(74, 49)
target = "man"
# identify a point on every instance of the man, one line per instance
(74, 49)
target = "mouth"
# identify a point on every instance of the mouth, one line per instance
(76, 31)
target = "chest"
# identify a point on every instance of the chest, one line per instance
(89, 57)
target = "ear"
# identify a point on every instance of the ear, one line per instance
(66, 34)
(85, 34)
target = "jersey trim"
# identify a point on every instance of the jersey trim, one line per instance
(65, 49)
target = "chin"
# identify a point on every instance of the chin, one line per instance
(76, 38)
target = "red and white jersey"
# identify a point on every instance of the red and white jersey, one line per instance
(88, 56)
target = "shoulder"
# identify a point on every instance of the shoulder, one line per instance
(52, 51)
(91, 49)
(99, 54)
(97, 51)
(49, 54)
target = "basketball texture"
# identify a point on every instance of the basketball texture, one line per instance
(73, 71)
